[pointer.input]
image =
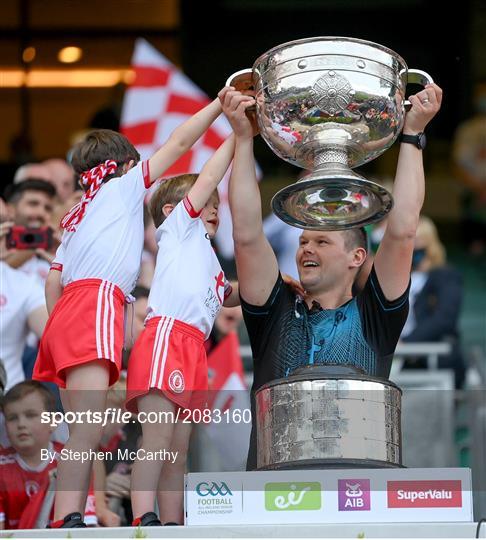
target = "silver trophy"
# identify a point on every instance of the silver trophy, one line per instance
(328, 417)
(329, 104)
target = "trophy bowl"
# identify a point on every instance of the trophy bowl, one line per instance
(329, 104)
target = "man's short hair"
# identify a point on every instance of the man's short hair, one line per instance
(22, 389)
(355, 238)
(13, 192)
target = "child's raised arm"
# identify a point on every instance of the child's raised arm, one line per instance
(184, 136)
(211, 175)
(216, 167)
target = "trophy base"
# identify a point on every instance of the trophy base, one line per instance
(332, 202)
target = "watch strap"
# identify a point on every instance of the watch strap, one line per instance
(416, 140)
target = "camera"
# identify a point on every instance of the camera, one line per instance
(29, 238)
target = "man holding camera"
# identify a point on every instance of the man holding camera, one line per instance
(30, 205)
(22, 309)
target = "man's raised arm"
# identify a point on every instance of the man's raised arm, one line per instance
(256, 263)
(394, 257)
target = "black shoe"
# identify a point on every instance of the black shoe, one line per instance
(149, 519)
(171, 523)
(71, 521)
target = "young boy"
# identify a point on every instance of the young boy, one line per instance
(167, 369)
(95, 268)
(25, 476)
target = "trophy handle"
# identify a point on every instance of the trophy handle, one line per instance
(241, 80)
(416, 76)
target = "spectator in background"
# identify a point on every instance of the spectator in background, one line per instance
(59, 211)
(435, 300)
(469, 155)
(22, 308)
(30, 204)
(26, 479)
(32, 170)
(227, 321)
(227, 392)
(56, 171)
(139, 310)
(61, 177)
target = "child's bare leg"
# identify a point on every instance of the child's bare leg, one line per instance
(170, 496)
(86, 387)
(155, 437)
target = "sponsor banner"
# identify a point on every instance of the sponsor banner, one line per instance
(292, 496)
(424, 494)
(354, 494)
(329, 496)
(210, 498)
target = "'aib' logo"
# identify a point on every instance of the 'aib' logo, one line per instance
(354, 494)
(204, 489)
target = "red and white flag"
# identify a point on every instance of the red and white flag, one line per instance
(161, 98)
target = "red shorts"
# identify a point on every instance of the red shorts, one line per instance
(86, 324)
(168, 355)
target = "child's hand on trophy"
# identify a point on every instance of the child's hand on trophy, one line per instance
(235, 106)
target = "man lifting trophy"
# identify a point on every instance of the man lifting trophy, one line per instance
(321, 395)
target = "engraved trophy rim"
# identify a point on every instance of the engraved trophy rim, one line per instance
(349, 39)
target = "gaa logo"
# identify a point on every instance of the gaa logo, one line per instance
(203, 489)
(176, 381)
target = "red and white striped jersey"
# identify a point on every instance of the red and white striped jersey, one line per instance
(19, 484)
(189, 284)
(108, 242)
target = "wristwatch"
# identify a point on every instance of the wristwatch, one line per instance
(419, 140)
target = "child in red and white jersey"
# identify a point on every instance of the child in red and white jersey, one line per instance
(167, 370)
(95, 268)
(26, 475)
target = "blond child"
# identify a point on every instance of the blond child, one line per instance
(167, 370)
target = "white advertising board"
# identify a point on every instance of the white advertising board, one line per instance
(329, 496)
